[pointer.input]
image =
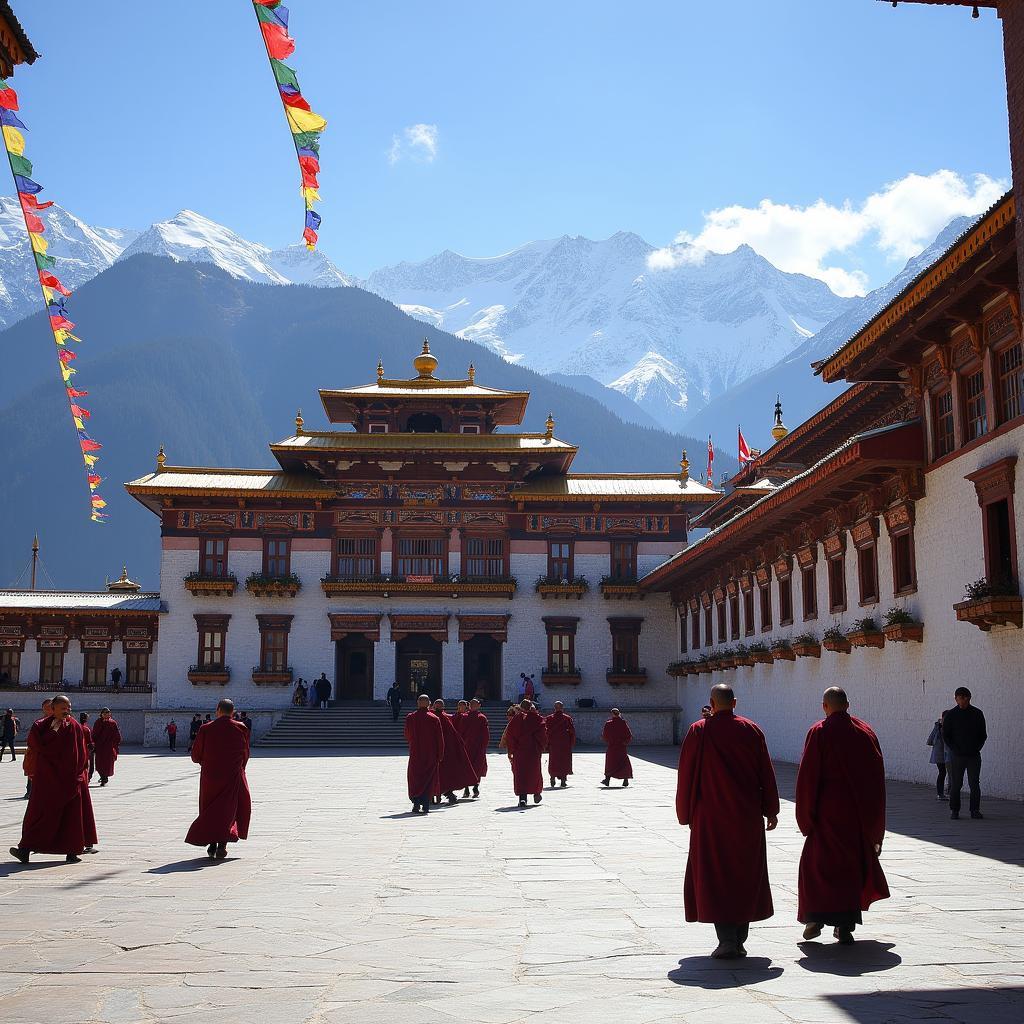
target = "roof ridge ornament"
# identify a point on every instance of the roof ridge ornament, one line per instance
(299, 423)
(779, 430)
(472, 374)
(161, 459)
(425, 363)
(684, 468)
(549, 428)
(380, 371)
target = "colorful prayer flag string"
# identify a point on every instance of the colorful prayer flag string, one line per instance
(54, 292)
(303, 123)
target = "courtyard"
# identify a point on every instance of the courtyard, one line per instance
(345, 908)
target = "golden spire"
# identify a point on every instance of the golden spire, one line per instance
(779, 430)
(472, 373)
(160, 459)
(380, 370)
(124, 583)
(425, 364)
(549, 428)
(684, 468)
(299, 421)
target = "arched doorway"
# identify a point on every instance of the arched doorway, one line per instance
(353, 668)
(418, 665)
(481, 668)
(424, 423)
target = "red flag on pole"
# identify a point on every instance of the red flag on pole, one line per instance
(744, 450)
(711, 459)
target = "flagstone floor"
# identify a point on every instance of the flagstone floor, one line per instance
(344, 908)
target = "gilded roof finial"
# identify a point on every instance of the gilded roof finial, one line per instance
(780, 430)
(124, 583)
(425, 363)
(299, 421)
(160, 459)
(684, 468)
(472, 373)
(380, 370)
(549, 428)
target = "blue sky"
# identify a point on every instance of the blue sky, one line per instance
(535, 119)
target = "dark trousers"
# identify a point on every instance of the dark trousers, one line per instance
(92, 763)
(940, 779)
(733, 933)
(394, 712)
(172, 739)
(4, 744)
(958, 766)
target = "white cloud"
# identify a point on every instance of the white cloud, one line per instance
(898, 221)
(417, 142)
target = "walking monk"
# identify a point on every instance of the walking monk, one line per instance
(840, 808)
(222, 749)
(527, 739)
(456, 768)
(561, 740)
(476, 734)
(617, 736)
(106, 738)
(426, 748)
(726, 786)
(58, 818)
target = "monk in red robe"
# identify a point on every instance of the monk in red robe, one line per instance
(456, 767)
(561, 740)
(726, 793)
(221, 747)
(426, 749)
(527, 739)
(83, 721)
(28, 762)
(106, 738)
(59, 817)
(617, 736)
(840, 808)
(476, 734)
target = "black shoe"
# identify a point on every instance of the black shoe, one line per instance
(811, 931)
(19, 854)
(606, 782)
(625, 783)
(522, 801)
(425, 809)
(552, 783)
(103, 781)
(72, 859)
(451, 797)
(537, 798)
(465, 793)
(844, 936)
(977, 814)
(564, 783)
(222, 851)
(955, 816)
(211, 850)
(476, 791)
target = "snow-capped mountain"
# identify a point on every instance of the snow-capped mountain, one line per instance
(671, 339)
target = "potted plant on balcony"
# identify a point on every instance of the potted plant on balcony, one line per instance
(678, 669)
(782, 650)
(619, 587)
(553, 675)
(865, 633)
(901, 627)
(727, 658)
(553, 586)
(260, 585)
(760, 653)
(742, 656)
(199, 584)
(836, 641)
(806, 646)
(989, 603)
(701, 666)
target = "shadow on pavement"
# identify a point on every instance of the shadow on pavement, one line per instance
(863, 957)
(703, 972)
(196, 863)
(956, 1005)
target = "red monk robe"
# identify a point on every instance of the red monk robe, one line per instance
(840, 808)
(527, 738)
(726, 788)
(477, 737)
(426, 748)
(225, 807)
(106, 737)
(617, 735)
(561, 740)
(56, 820)
(456, 769)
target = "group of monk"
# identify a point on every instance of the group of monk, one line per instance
(727, 795)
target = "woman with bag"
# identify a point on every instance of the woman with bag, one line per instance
(939, 756)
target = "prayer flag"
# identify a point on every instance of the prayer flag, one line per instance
(280, 45)
(44, 262)
(50, 281)
(98, 502)
(32, 222)
(312, 219)
(307, 140)
(38, 243)
(90, 460)
(75, 393)
(60, 323)
(711, 459)
(310, 237)
(8, 97)
(10, 118)
(294, 99)
(89, 445)
(300, 120)
(94, 479)
(77, 410)
(744, 450)
(29, 202)
(21, 165)
(13, 140)
(283, 74)
(26, 186)
(66, 356)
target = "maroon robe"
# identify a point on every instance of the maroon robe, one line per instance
(456, 770)
(56, 820)
(840, 808)
(106, 737)
(477, 737)
(725, 789)
(426, 748)
(527, 740)
(561, 740)
(225, 807)
(617, 764)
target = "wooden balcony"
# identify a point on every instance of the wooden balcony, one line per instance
(199, 585)
(209, 675)
(554, 677)
(549, 587)
(273, 586)
(996, 610)
(277, 677)
(636, 677)
(621, 589)
(437, 586)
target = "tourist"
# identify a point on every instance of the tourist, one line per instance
(617, 765)
(476, 734)
(561, 740)
(323, 691)
(301, 695)
(8, 731)
(246, 721)
(222, 751)
(206, 719)
(426, 749)
(964, 734)
(939, 756)
(510, 713)
(726, 793)
(115, 676)
(840, 809)
(193, 730)
(172, 733)
(456, 768)
(527, 738)
(28, 762)
(58, 819)
(107, 738)
(83, 721)
(394, 701)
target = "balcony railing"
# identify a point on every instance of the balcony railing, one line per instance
(626, 677)
(209, 675)
(438, 586)
(555, 587)
(561, 676)
(70, 686)
(200, 585)
(260, 585)
(272, 676)
(622, 588)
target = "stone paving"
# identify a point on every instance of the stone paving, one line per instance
(345, 908)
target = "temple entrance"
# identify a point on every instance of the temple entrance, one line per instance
(418, 665)
(353, 668)
(481, 667)
(424, 423)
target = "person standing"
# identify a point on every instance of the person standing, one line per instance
(527, 738)
(617, 735)
(58, 819)
(8, 731)
(83, 721)
(840, 809)
(426, 750)
(28, 762)
(193, 730)
(247, 722)
(106, 737)
(323, 691)
(115, 676)
(394, 701)
(964, 734)
(476, 734)
(726, 793)
(225, 806)
(938, 756)
(456, 768)
(561, 740)
(172, 734)
(510, 713)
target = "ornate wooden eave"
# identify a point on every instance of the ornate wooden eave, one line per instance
(15, 46)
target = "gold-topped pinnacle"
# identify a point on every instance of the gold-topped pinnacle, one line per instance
(779, 430)
(380, 370)
(472, 373)
(299, 421)
(684, 468)
(549, 428)
(124, 583)
(161, 458)
(425, 364)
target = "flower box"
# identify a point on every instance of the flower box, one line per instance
(209, 675)
(837, 646)
(762, 657)
(550, 677)
(261, 677)
(866, 638)
(439, 586)
(620, 589)
(636, 678)
(678, 669)
(995, 610)
(567, 590)
(783, 654)
(273, 586)
(744, 659)
(210, 586)
(807, 650)
(904, 632)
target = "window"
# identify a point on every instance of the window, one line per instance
(625, 644)
(1010, 367)
(695, 632)
(378, 428)
(136, 668)
(942, 419)
(213, 556)
(904, 575)
(867, 573)
(470, 428)
(708, 638)
(484, 556)
(720, 609)
(786, 601)
(837, 584)
(766, 607)
(748, 612)
(422, 556)
(277, 556)
(95, 672)
(51, 666)
(975, 416)
(561, 637)
(623, 564)
(994, 485)
(211, 647)
(273, 650)
(355, 557)
(10, 665)
(809, 591)
(560, 560)
(734, 616)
